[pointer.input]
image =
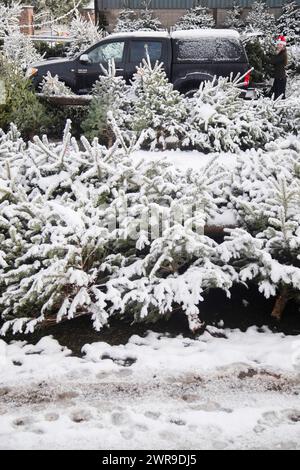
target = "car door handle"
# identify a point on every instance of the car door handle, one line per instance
(119, 70)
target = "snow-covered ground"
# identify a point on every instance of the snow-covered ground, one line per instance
(224, 390)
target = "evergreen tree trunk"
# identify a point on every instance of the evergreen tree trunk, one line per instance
(280, 303)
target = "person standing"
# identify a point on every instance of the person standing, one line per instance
(279, 62)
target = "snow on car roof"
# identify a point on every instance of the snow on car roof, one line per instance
(138, 34)
(205, 33)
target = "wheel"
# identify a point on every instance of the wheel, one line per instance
(190, 93)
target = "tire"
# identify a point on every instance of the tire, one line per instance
(190, 93)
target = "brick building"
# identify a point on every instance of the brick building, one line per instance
(169, 11)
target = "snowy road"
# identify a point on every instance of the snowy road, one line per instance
(235, 392)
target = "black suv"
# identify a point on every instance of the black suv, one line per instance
(189, 58)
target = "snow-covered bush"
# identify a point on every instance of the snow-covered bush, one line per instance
(52, 86)
(83, 34)
(198, 17)
(80, 234)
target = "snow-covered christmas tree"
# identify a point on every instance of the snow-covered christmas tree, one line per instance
(19, 49)
(80, 234)
(220, 119)
(260, 20)
(127, 21)
(83, 33)
(52, 86)
(107, 91)
(147, 19)
(159, 112)
(234, 19)
(133, 20)
(9, 18)
(288, 22)
(265, 192)
(198, 17)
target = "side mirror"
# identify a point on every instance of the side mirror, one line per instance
(84, 59)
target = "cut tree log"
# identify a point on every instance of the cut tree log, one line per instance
(72, 100)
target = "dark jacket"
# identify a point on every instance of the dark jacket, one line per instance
(279, 62)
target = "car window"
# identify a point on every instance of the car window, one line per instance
(229, 50)
(105, 52)
(209, 50)
(138, 51)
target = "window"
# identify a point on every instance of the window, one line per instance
(209, 50)
(228, 49)
(111, 50)
(138, 51)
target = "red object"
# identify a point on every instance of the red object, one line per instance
(247, 79)
(281, 40)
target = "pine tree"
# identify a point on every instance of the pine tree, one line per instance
(288, 22)
(234, 18)
(159, 110)
(83, 34)
(147, 20)
(220, 119)
(63, 255)
(107, 91)
(55, 7)
(144, 20)
(265, 192)
(260, 20)
(19, 49)
(20, 96)
(127, 21)
(9, 19)
(198, 17)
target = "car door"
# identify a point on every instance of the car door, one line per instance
(88, 71)
(137, 51)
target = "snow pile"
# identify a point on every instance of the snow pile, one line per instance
(157, 353)
(236, 391)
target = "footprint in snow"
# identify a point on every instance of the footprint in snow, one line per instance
(80, 416)
(152, 415)
(119, 419)
(275, 418)
(51, 417)
(23, 421)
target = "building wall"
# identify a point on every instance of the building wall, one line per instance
(26, 20)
